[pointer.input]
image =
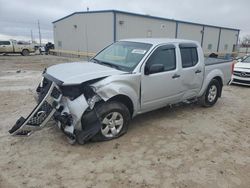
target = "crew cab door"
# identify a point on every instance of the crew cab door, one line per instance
(192, 72)
(5, 46)
(160, 82)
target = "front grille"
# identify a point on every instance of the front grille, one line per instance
(41, 114)
(241, 81)
(242, 74)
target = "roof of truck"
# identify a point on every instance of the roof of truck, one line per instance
(157, 41)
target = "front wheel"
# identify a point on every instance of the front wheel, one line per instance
(210, 97)
(114, 117)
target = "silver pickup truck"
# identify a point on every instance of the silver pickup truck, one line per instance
(95, 100)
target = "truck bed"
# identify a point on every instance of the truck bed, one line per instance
(224, 65)
(211, 61)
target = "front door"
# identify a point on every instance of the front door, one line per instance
(162, 87)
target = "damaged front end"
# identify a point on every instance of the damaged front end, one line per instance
(72, 107)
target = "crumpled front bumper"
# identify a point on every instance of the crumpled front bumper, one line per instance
(71, 117)
(38, 118)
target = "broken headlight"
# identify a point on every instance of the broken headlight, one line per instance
(93, 100)
(72, 92)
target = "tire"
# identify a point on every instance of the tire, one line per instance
(25, 52)
(210, 97)
(109, 113)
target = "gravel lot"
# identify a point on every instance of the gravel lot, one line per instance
(183, 146)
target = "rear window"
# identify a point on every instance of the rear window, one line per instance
(189, 56)
(4, 42)
(23, 43)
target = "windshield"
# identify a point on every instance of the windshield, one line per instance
(122, 55)
(246, 60)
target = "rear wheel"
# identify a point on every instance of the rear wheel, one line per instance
(114, 117)
(210, 97)
(25, 52)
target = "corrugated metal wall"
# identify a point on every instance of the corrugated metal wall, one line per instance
(228, 39)
(84, 32)
(188, 31)
(129, 26)
(210, 39)
(92, 31)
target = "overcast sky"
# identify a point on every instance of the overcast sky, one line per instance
(19, 17)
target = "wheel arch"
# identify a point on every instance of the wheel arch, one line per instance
(25, 49)
(219, 79)
(124, 100)
(215, 74)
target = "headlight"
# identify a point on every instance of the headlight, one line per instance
(41, 83)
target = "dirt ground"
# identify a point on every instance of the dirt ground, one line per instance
(184, 146)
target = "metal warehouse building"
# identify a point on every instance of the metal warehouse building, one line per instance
(93, 30)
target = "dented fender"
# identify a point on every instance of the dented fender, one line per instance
(127, 84)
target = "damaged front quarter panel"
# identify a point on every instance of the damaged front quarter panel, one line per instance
(74, 106)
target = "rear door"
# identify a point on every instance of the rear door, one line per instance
(192, 70)
(159, 89)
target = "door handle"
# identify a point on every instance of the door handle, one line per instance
(197, 71)
(176, 76)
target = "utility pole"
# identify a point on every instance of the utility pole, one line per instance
(40, 38)
(31, 35)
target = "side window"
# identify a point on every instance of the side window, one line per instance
(189, 56)
(209, 47)
(164, 55)
(4, 42)
(59, 43)
(226, 47)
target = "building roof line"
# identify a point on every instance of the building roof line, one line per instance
(145, 16)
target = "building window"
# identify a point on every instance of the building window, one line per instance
(226, 47)
(149, 33)
(209, 47)
(189, 56)
(59, 43)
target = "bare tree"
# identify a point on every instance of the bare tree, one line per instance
(246, 41)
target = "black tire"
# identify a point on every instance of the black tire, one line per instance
(207, 100)
(25, 52)
(103, 110)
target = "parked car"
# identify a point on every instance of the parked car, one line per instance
(12, 46)
(97, 99)
(241, 73)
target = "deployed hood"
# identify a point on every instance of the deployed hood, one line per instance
(79, 72)
(242, 65)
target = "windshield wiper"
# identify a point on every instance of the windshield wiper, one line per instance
(106, 63)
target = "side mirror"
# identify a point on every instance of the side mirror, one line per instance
(155, 68)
